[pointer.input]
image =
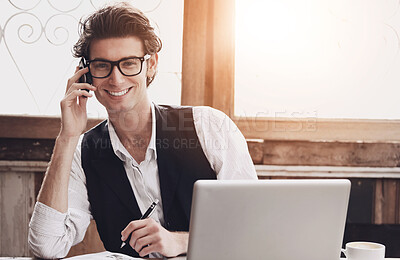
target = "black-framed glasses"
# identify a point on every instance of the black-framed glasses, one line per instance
(129, 66)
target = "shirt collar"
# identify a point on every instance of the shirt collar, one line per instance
(121, 151)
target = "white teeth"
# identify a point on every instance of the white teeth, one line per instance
(123, 92)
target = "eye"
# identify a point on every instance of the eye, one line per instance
(130, 63)
(100, 65)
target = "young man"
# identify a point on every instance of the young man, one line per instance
(142, 153)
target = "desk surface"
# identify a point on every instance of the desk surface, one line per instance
(90, 257)
(176, 258)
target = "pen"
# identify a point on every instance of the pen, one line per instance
(147, 214)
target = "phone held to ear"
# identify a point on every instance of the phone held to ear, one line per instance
(86, 78)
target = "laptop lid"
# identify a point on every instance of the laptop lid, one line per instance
(268, 219)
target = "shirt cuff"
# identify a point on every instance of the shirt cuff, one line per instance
(47, 221)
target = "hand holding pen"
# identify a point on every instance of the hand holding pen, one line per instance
(147, 236)
(147, 214)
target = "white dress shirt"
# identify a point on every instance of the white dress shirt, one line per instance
(52, 233)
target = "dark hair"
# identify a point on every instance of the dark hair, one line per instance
(118, 20)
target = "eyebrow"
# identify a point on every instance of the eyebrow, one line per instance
(128, 57)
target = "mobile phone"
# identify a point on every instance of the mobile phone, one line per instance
(86, 78)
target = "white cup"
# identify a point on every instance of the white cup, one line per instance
(364, 251)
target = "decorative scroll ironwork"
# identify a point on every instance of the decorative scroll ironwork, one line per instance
(24, 9)
(29, 26)
(57, 29)
(65, 11)
(29, 33)
(25, 41)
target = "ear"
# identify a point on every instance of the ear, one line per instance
(152, 65)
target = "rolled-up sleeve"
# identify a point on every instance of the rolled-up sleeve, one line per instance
(52, 233)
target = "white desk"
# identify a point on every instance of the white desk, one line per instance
(176, 258)
(83, 257)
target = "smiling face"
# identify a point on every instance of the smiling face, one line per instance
(119, 93)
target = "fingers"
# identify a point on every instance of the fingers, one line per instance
(149, 244)
(78, 73)
(144, 233)
(82, 102)
(76, 90)
(74, 94)
(80, 86)
(148, 250)
(150, 231)
(132, 226)
(75, 78)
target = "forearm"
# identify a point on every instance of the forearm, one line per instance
(54, 190)
(52, 230)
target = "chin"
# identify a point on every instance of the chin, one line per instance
(118, 109)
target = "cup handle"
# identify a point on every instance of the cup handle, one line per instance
(344, 252)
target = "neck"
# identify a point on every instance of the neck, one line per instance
(133, 123)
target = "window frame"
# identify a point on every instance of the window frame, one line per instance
(209, 40)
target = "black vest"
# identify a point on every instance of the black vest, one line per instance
(181, 162)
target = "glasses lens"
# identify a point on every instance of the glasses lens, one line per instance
(100, 68)
(130, 66)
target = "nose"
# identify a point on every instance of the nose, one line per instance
(116, 77)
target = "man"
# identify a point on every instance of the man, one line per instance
(142, 153)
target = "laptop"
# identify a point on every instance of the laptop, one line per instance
(268, 219)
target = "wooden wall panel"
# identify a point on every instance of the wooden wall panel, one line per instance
(256, 150)
(18, 192)
(269, 152)
(378, 202)
(361, 202)
(320, 129)
(331, 153)
(196, 90)
(390, 202)
(398, 203)
(34, 126)
(25, 149)
(17, 200)
(386, 208)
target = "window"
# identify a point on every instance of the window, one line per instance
(317, 59)
(36, 39)
(209, 37)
